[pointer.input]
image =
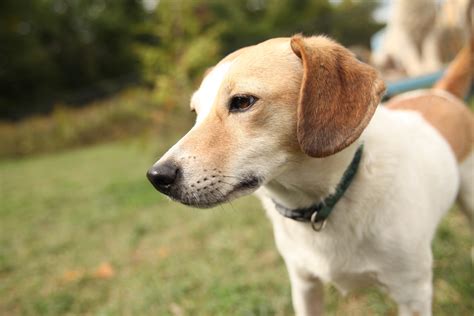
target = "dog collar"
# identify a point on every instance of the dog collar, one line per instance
(318, 213)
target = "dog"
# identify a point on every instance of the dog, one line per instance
(354, 190)
(430, 36)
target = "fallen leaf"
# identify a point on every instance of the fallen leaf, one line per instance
(163, 252)
(104, 271)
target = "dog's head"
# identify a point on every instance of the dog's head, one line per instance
(259, 108)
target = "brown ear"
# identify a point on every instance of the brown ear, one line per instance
(338, 96)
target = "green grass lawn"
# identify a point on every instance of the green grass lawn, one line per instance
(63, 215)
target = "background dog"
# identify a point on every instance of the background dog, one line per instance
(420, 37)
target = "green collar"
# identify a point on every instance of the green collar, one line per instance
(319, 212)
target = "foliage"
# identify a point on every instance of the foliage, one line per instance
(53, 48)
(192, 35)
(56, 47)
(68, 51)
(129, 113)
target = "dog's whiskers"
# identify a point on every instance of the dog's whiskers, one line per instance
(216, 199)
(231, 184)
(195, 198)
(226, 200)
(234, 177)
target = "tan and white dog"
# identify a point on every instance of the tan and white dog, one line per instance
(285, 118)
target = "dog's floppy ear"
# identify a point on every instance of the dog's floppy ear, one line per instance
(338, 96)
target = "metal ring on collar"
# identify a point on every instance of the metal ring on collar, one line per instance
(317, 227)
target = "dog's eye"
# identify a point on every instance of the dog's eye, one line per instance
(241, 103)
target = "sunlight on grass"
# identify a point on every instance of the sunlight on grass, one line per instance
(62, 216)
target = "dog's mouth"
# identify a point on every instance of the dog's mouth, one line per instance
(221, 191)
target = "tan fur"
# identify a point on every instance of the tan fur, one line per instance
(450, 117)
(335, 95)
(458, 77)
(274, 82)
(213, 144)
(266, 71)
(338, 96)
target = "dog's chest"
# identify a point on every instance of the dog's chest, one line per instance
(342, 261)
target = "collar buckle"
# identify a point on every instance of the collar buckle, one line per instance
(317, 226)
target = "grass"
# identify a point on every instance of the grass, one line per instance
(128, 113)
(83, 233)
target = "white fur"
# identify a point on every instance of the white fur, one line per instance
(466, 193)
(381, 230)
(204, 98)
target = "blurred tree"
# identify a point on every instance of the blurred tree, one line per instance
(186, 41)
(50, 47)
(192, 35)
(353, 23)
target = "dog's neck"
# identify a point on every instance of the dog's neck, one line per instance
(305, 180)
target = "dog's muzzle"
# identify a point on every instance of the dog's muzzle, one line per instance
(203, 190)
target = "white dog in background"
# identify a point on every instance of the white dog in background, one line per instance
(420, 37)
(354, 190)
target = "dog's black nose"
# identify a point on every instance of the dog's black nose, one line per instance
(163, 175)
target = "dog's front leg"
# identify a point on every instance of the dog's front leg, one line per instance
(413, 291)
(306, 293)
